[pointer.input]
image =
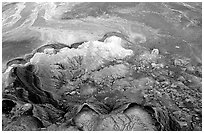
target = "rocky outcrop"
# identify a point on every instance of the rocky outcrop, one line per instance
(101, 85)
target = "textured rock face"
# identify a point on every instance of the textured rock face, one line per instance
(88, 76)
(57, 71)
(85, 89)
(54, 83)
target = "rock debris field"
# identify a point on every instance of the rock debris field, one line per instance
(101, 66)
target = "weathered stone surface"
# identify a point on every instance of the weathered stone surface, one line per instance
(24, 123)
(102, 66)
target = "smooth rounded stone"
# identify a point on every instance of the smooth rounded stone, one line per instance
(24, 123)
(134, 118)
(27, 106)
(141, 117)
(123, 122)
(106, 124)
(86, 120)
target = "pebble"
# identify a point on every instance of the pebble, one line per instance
(27, 106)
(155, 51)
